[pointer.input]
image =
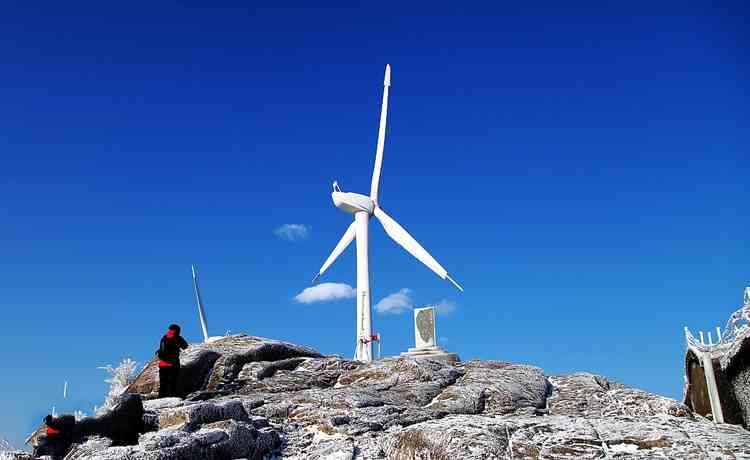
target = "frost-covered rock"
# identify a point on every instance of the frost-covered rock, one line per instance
(589, 395)
(493, 388)
(274, 400)
(564, 437)
(227, 439)
(89, 447)
(197, 414)
(741, 390)
(207, 366)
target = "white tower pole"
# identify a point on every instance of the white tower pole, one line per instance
(364, 314)
(199, 301)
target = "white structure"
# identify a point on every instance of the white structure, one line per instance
(363, 207)
(706, 353)
(199, 301)
(425, 337)
(424, 327)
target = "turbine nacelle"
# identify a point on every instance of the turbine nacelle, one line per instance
(352, 202)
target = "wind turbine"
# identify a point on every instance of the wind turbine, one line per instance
(199, 301)
(363, 207)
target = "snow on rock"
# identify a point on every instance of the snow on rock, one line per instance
(491, 388)
(263, 399)
(590, 395)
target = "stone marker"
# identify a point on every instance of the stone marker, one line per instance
(425, 338)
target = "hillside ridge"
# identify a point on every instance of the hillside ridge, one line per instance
(257, 398)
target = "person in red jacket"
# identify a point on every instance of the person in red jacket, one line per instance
(169, 361)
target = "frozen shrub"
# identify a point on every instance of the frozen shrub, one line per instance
(119, 379)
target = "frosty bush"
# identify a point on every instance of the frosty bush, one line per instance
(119, 379)
(6, 450)
(5, 446)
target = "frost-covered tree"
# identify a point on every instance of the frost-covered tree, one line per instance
(6, 449)
(119, 379)
(5, 445)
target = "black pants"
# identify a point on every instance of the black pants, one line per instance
(168, 377)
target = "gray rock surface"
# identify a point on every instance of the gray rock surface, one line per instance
(741, 389)
(493, 388)
(565, 437)
(268, 399)
(589, 395)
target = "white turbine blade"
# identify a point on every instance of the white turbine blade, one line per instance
(402, 237)
(346, 239)
(381, 138)
(455, 283)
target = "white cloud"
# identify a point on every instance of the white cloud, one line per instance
(396, 303)
(293, 232)
(445, 307)
(325, 292)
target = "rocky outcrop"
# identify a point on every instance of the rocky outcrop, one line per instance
(210, 366)
(268, 399)
(493, 388)
(190, 430)
(589, 395)
(735, 368)
(741, 392)
(564, 437)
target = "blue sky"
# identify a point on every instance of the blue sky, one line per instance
(581, 170)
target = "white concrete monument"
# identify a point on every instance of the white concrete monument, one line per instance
(425, 338)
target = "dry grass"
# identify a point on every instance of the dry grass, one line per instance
(413, 445)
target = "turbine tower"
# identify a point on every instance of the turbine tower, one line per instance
(363, 207)
(199, 301)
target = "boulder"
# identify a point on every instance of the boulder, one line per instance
(493, 388)
(190, 416)
(206, 366)
(589, 395)
(224, 440)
